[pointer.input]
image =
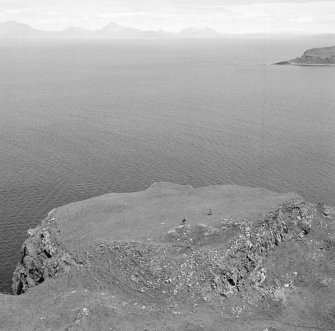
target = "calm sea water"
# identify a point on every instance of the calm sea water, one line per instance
(79, 119)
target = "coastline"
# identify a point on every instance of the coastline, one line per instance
(304, 64)
(312, 64)
(170, 257)
(324, 56)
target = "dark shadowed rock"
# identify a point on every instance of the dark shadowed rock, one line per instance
(42, 256)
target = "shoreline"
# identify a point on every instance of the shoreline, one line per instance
(172, 257)
(283, 63)
(312, 64)
(79, 214)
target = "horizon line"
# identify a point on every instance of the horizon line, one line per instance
(171, 32)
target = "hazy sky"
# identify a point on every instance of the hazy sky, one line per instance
(231, 16)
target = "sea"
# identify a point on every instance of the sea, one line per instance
(80, 118)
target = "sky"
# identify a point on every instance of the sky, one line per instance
(227, 16)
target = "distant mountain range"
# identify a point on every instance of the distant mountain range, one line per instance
(12, 29)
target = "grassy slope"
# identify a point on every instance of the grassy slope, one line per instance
(317, 56)
(100, 295)
(141, 215)
(325, 52)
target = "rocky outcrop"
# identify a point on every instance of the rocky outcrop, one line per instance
(231, 269)
(203, 260)
(186, 267)
(315, 56)
(317, 60)
(220, 259)
(42, 257)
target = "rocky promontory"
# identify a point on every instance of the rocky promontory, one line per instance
(178, 258)
(315, 56)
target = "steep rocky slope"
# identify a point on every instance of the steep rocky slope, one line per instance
(178, 258)
(315, 56)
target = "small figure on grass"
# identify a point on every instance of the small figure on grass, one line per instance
(210, 212)
(183, 221)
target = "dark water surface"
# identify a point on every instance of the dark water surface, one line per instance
(79, 119)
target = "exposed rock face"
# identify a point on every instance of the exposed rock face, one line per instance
(309, 59)
(208, 261)
(187, 270)
(43, 257)
(241, 263)
(203, 260)
(315, 56)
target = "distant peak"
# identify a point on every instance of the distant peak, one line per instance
(196, 32)
(15, 23)
(13, 29)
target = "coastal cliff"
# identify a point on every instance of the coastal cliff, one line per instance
(42, 257)
(177, 258)
(315, 56)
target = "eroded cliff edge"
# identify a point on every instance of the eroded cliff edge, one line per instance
(176, 258)
(42, 257)
(314, 56)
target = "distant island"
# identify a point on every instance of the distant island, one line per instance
(314, 56)
(14, 30)
(17, 30)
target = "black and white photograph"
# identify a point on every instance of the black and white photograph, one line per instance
(167, 165)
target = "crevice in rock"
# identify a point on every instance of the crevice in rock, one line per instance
(48, 255)
(42, 257)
